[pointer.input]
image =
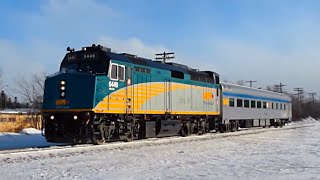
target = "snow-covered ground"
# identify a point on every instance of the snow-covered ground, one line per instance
(273, 154)
(27, 138)
(30, 138)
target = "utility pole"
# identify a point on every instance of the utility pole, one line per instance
(165, 56)
(279, 87)
(299, 93)
(251, 82)
(313, 94)
(3, 100)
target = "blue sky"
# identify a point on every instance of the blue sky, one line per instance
(270, 41)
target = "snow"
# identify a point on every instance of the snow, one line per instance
(27, 138)
(29, 131)
(285, 153)
(308, 120)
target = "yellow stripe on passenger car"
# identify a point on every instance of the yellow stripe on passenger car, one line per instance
(225, 101)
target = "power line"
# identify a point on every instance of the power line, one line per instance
(251, 82)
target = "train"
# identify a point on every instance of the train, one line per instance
(99, 96)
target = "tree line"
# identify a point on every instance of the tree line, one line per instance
(26, 93)
(29, 94)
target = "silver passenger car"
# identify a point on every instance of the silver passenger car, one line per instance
(250, 107)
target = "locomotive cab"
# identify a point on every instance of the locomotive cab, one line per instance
(69, 94)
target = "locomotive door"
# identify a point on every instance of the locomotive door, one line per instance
(140, 91)
(129, 91)
(167, 96)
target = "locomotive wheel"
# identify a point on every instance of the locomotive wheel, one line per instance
(202, 129)
(97, 141)
(129, 137)
(222, 128)
(233, 127)
(185, 130)
(201, 132)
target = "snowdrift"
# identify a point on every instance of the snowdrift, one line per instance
(309, 120)
(27, 138)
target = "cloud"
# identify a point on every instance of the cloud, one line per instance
(132, 46)
(243, 60)
(68, 22)
(15, 62)
(57, 24)
(45, 33)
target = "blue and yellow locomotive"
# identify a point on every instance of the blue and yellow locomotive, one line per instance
(99, 96)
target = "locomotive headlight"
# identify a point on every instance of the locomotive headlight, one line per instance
(75, 117)
(52, 117)
(63, 88)
(62, 82)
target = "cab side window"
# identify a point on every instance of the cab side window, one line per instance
(121, 73)
(114, 72)
(117, 72)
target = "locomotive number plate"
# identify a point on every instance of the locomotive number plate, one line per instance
(62, 102)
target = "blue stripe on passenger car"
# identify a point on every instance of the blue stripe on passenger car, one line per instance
(254, 97)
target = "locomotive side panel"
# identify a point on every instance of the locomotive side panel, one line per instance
(155, 92)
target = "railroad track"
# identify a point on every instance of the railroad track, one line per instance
(7, 154)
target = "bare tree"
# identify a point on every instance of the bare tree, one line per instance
(272, 88)
(31, 91)
(241, 82)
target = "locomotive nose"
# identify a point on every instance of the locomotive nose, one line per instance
(72, 91)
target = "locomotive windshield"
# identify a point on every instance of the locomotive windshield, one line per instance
(89, 62)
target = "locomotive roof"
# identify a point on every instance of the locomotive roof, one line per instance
(128, 58)
(156, 64)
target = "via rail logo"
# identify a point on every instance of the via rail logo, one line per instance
(207, 96)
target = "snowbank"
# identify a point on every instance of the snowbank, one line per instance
(309, 120)
(27, 138)
(29, 131)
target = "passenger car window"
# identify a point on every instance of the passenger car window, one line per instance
(258, 104)
(253, 104)
(264, 105)
(246, 103)
(231, 102)
(239, 102)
